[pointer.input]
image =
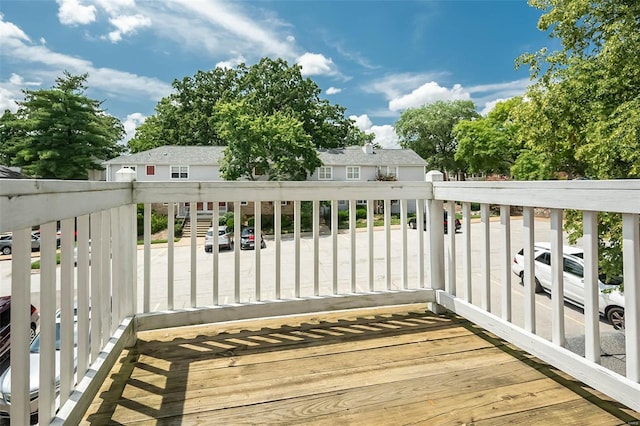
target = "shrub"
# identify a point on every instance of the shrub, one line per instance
(361, 213)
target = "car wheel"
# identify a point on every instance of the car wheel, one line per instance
(538, 286)
(263, 245)
(615, 316)
(6, 250)
(32, 332)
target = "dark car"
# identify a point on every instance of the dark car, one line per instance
(5, 327)
(458, 224)
(248, 239)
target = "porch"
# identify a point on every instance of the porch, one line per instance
(371, 366)
(118, 295)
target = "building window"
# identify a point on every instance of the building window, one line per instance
(130, 167)
(361, 202)
(392, 171)
(325, 173)
(342, 202)
(353, 172)
(151, 170)
(244, 203)
(179, 172)
(284, 203)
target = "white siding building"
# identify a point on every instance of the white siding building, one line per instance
(202, 163)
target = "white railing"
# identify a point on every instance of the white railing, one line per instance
(325, 268)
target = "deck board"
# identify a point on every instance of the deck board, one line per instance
(377, 366)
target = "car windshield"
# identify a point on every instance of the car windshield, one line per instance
(247, 231)
(209, 233)
(35, 345)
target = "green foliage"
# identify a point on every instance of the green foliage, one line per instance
(490, 145)
(270, 87)
(306, 215)
(59, 133)
(158, 221)
(582, 117)
(275, 145)
(428, 130)
(343, 218)
(361, 213)
(286, 223)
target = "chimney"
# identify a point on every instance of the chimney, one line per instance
(367, 148)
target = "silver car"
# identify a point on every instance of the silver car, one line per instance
(225, 239)
(34, 372)
(6, 243)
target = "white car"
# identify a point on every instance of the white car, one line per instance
(225, 239)
(610, 302)
(34, 371)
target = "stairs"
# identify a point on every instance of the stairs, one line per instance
(201, 227)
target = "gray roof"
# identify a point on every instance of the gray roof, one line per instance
(174, 154)
(355, 156)
(9, 173)
(211, 155)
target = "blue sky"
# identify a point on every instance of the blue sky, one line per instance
(376, 58)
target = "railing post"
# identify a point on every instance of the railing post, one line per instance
(436, 241)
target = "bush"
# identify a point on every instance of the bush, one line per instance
(159, 222)
(361, 213)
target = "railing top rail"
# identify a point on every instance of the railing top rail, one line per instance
(621, 196)
(25, 202)
(272, 191)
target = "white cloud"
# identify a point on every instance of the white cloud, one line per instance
(395, 85)
(17, 80)
(231, 63)
(42, 61)
(8, 97)
(10, 32)
(428, 93)
(43, 40)
(71, 12)
(385, 135)
(113, 7)
(333, 90)
(362, 122)
(215, 26)
(127, 24)
(131, 123)
(291, 39)
(316, 64)
(488, 106)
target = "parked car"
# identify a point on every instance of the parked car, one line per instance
(34, 372)
(225, 239)
(5, 326)
(457, 223)
(6, 243)
(248, 239)
(37, 234)
(610, 300)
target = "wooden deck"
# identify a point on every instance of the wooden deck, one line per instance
(393, 366)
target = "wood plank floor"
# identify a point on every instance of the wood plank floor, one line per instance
(370, 367)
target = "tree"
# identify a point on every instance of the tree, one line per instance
(583, 111)
(428, 130)
(187, 116)
(275, 146)
(60, 133)
(490, 144)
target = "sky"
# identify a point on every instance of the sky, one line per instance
(375, 58)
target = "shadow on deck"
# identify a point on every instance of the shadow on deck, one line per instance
(375, 366)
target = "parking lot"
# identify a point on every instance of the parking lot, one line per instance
(204, 271)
